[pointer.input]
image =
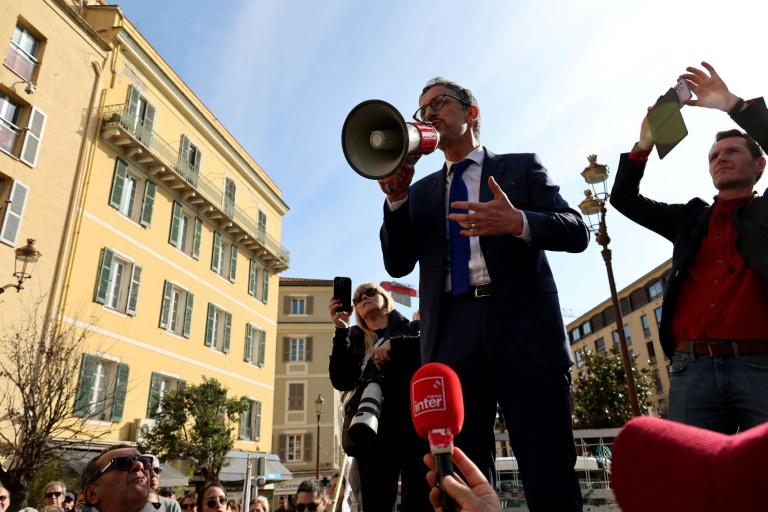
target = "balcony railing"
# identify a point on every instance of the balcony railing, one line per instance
(128, 120)
(8, 135)
(20, 62)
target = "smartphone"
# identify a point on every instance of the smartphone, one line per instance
(342, 290)
(682, 91)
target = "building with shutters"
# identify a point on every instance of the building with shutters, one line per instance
(169, 251)
(640, 303)
(305, 338)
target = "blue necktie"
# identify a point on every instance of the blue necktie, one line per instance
(459, 242)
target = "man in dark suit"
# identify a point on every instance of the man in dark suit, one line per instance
(490, 310)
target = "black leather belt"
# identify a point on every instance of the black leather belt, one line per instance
(474, 292)
(722, 348)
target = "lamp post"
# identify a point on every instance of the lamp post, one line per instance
(594, 204)
(319, 410)
(25, 256)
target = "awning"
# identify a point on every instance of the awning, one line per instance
(168, 478)
(238, 462)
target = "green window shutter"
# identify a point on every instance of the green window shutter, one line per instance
(188, 315)
(244, 418)
(149, 203)
(198, 236)
(216, 256)
(173, 236)
(257, 426)
(83, 397)
(227, 331)
(133, 292)
(253, 276)
(166, 309)
(265, 292)
(233, 263)
(262, 347)
(118, 182)
(104, 276)
(133, 100)
(248, 343)
(155, 385)
(209, 325)
(121, 388)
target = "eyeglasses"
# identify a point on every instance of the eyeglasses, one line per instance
(437, 103)
(157, 470)
(53, 494)
(212, 502)
(370, 292)
(126, 463)
(187, 505)
(156, 505)
(311, 507)
(3, 498)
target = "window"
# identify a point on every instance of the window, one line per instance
(298, 306)
(609, 316)
(250, 421)
(662, 408)
(186, 231)
(624, 306)
(16, 203)
(10, 112)
(581, 375)
(597, 322)
(22, 55)
(141, 116)
(296, 447)
(101, 389)
(190, 161)
(176, 311)
(297, 349)
(255, 345)
(253, 279)
(637, 298)
(654, 289)
(657, 312)
(600, 346)
(217, 329)
(657, 381)
(627, 335)
(651, 352)
(296, 397)
(11, 119)
(575, 334)
(224, 257)
(125, 195)
(646, 326)
(119, 281)
(579, 359)
(160, 385)
(586, 328)
(265, 286)
(228, 200)
(615, 335)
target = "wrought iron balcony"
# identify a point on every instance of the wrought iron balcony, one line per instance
(123, 129)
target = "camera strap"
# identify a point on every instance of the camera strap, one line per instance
(382, 339)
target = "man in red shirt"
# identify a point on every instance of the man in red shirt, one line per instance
(714, 322)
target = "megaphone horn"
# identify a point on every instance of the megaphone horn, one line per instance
(377, 141)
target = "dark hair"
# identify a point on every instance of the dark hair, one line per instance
(90, 474)
(312, 485)
(461, 92)
(204, 489)
(754, 148)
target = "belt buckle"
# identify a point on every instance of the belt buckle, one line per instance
(477, 292)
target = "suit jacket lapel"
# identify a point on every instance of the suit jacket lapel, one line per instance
(493, 165)
(437, 200)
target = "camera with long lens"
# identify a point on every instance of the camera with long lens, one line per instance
(365, 423)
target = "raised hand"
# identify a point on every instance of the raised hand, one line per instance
(710, 90)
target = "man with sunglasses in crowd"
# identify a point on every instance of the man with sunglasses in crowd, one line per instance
(310, 496)
(117, 480)
(54, 494)
(166, 504)
(478, 229)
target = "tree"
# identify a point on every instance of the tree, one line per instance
(196, 422)
(600, 398)
(39, 359)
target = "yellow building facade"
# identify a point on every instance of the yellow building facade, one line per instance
(640, 304)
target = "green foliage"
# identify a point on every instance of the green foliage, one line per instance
(600, 399)
(196, 423)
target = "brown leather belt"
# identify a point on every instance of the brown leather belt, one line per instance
(474, 292)
(722, 348)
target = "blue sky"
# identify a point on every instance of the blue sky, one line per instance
(564, 79)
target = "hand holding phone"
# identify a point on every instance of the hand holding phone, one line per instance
(342, 290)
(682, 91)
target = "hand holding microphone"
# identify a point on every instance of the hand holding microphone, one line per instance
(476, 495)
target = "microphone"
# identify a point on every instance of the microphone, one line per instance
(437, 410)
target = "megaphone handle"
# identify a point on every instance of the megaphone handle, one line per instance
(408, 160)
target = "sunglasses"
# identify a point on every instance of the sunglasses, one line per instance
(370, 292)
(126, 463)
(311, 506)
(187, 506)
(212, 502)
(157, 470)
(156, 505)
(53, 494)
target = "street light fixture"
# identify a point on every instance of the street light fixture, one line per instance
(319, 410)
(594, 205)
(26, 256)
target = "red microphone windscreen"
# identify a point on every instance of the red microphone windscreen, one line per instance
(436, 399)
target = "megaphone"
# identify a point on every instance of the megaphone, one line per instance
(377, 141)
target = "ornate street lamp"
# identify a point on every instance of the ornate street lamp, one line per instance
(593, 206)
(319, 410)
(26, 258)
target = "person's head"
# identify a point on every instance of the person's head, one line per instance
(259, 504)
(212, 498)
(233, 505)
(154, 474)
(69, 501)
(370, 300)
(452, 108)
(188, 502)
(54, 493)
(282, 503)
(310, 496)
(117, 480)
(168, 492)
(153, 498)
(5, 498)
(52, 508)
(332, 486)
(736, 161)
